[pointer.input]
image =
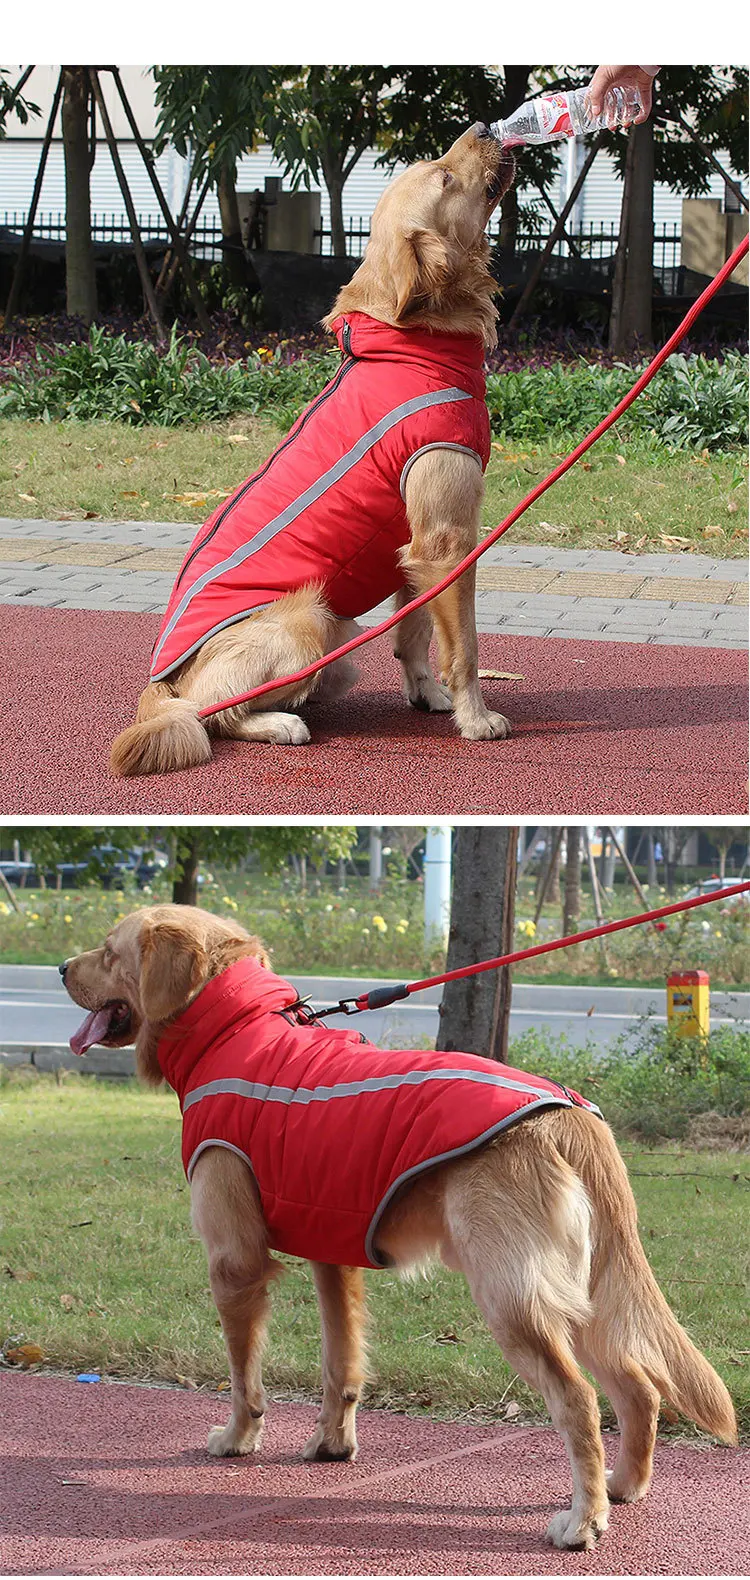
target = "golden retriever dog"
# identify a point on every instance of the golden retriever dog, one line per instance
(540, 1220)
(425, 270)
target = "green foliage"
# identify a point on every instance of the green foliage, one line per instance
(12, 102)
(693, 402)
(114, 379)
(214, 113)
(649, 1083)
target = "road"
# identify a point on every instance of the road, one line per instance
(35, 1011)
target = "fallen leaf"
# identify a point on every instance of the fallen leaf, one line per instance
(91, 515)
(620, 459)
(241, 438)
(671, 541)
(621, 537)
(129, 493)
(157, 444)
(67, 1302)
(586, 466)
(223, 1387)
(18, 1273)
(512, 1410)
(591, 1010)
(448, 1337)
(135, 405)
(732, 507)
(31, 499)
(25, 1355)
(20, 467)
(186, 1382)
(498, 674)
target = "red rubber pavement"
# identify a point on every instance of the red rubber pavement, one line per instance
(114, 1479)
(601, 728)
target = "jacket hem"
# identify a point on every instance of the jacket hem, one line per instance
(463, 449)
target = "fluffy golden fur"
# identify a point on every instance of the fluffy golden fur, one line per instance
(541, 1222)
(426, 267)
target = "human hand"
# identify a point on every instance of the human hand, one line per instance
(606, 77)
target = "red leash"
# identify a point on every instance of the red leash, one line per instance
(541, 488)
(379, 998)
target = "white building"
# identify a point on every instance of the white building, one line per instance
(599, 204)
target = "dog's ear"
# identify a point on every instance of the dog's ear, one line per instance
(173, 967)
(420, 269)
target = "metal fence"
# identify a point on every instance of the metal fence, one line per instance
(593, 241)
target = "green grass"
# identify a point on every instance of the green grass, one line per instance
(117, 472)
(99, 1266)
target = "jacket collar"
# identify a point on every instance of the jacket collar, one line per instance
(368, 338)
(242, 993)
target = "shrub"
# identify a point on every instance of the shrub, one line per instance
(695, 401)
(650, 1083)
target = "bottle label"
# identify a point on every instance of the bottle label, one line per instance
(553, 115)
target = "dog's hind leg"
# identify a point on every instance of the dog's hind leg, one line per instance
(226, 1215)
(411, 646)
(341, 1297)
(518, 1222)
(636, 1404)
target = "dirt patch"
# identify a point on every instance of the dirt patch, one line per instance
(719, 1133)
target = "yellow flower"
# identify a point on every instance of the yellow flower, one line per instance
(717, 934)
(4, 909)
(34, 916)
(380, 923)
(527, 928)
(67, 918)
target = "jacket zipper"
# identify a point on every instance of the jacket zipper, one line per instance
(346, 367)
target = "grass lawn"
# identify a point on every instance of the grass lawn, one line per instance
(625, 495)
(100, 1269)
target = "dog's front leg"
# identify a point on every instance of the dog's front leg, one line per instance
(411, 646)
(226, 1215)
(443, 492)
(341, 1297)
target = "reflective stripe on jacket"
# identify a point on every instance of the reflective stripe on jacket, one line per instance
(330, 1126)
(327, 507)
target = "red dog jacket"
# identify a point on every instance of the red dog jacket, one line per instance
(328, 507)
(330, 1126)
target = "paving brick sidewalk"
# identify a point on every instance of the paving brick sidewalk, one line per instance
(523, 590)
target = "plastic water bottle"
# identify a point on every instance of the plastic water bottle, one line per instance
(556, 115)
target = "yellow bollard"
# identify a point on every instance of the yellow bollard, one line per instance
(689, 1003)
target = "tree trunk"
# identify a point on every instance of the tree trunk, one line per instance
(607, 862)
(335, 186)
(79, 252)
(634, 327)
(231, 230)
(475, 1011)
(572, 900)
(552, 883)
(516, 87)
(186, 858)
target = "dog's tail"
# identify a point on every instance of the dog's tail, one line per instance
(631, 1320)
(167, 735)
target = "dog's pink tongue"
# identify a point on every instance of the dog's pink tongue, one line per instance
(95, 1026)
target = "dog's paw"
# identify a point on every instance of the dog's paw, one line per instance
(226, 1440)
(428, 697)
(568, 1530)
(624, 1489)
(486, 727)
(288, 730)
(330, 1445)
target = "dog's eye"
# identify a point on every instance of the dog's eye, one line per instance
(447, 178)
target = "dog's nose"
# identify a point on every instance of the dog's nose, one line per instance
(63, 968)
(480, 130)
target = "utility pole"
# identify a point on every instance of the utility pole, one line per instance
(437, 886)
